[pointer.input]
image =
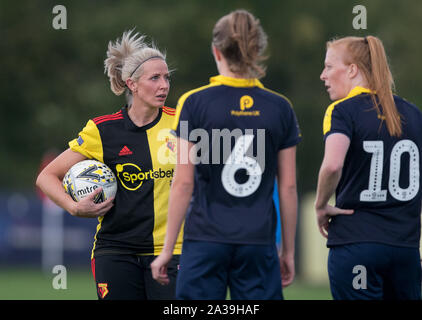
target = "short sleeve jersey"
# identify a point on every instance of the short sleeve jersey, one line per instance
(142, 158)
(381, 175)
(238, 127)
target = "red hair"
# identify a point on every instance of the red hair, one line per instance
(369, 55)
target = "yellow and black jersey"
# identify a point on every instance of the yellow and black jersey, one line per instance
(143, 159)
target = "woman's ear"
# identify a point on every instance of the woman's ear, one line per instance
(352, 71)
(132, 85)
(217, 53)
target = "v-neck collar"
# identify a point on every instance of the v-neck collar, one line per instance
(133, 127)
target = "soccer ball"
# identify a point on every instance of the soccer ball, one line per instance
(86, 176)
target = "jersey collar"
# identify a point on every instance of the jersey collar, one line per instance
(236, 82)
(357, 91)
(133, 127)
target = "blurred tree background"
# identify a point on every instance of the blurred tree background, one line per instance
(53, 81)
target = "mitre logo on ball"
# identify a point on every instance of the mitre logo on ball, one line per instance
(86, 176)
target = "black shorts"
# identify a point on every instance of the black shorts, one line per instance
(128, 277)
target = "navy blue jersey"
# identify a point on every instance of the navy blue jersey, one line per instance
(238, 127)
(381, 175)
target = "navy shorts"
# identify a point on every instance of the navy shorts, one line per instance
(207, 269)
(129, 277)
(374, 271)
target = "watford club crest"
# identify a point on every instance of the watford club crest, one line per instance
(102, 290)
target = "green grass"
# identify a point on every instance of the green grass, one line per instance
(32, 284)
(299, 290)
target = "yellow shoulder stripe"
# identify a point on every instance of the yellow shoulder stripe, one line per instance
(329, 112)
(182, 100)
(281, 95)
(327, 117)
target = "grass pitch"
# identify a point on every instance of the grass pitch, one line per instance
(32, 284)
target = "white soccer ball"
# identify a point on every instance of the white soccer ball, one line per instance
(86, 176)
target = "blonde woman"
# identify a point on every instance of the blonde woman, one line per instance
(230, 225)
(131, 228)
(372, 161)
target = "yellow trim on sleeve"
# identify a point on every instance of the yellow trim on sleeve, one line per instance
(89, 142)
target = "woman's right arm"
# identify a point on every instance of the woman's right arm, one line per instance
(50, 182)
(336, 147)
(287, 193)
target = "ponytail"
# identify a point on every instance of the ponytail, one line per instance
(383, 85)
(242, 41)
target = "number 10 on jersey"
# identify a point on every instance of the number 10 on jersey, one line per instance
(374, 192)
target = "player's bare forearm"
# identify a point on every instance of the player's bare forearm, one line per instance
(336, 146)
(53, 189)
(286, 180)
(180, 196)
(288, 218)
(328, 180)
(49, 180)
(180, 193)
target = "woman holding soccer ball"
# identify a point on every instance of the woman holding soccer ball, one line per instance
(136, 144)
(372, 161)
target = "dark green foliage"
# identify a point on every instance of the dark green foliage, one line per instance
(53, 81)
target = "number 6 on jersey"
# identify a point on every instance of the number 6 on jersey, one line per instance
(239, 161)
